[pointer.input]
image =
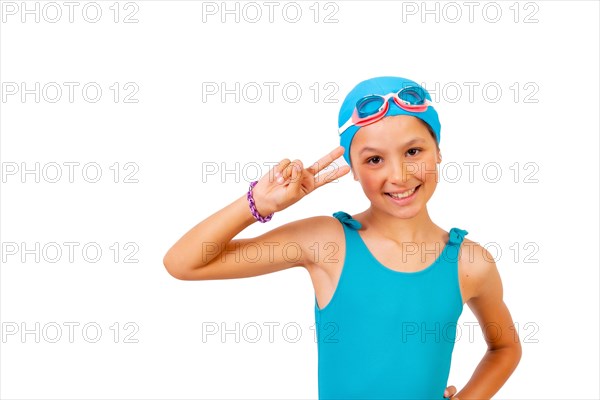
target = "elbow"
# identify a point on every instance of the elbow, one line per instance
(517, 349)
(175, 270)
(512, 354)
(518, 353)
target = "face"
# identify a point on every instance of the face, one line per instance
(394, 155)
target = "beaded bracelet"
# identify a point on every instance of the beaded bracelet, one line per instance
(253, 206)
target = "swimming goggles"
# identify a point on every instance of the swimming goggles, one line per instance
(373, 107)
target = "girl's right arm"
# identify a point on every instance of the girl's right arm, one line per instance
(207, 251)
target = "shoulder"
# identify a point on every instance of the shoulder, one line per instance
(317, 226)
(478, 270)
(315, 236)
(322, 229)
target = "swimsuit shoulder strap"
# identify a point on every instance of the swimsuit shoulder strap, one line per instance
(456, 236)
(347, 220)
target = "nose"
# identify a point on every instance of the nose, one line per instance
(400, 171)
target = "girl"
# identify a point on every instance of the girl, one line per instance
(386, 309)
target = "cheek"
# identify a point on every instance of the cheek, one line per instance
(370, 182)
(428, 172)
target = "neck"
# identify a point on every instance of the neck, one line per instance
(417, 229)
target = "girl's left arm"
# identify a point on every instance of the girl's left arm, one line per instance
(504, 347)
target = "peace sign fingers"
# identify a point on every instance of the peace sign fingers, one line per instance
(323, 163)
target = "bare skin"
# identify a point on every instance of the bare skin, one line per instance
(208, 251)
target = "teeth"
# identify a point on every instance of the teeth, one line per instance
(402, 195)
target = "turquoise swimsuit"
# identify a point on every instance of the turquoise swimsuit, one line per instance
(387, 334)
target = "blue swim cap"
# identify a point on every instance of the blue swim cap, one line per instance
(382, 85)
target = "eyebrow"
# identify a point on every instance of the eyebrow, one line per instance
(410, 142)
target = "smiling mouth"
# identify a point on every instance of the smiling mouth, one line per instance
(403, 195)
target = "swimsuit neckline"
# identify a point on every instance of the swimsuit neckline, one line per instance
(454, 237)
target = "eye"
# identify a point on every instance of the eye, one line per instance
(415, 148)
(373, 158)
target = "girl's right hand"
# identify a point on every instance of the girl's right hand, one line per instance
(288, 182)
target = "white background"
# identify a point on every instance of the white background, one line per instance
(171, 136)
